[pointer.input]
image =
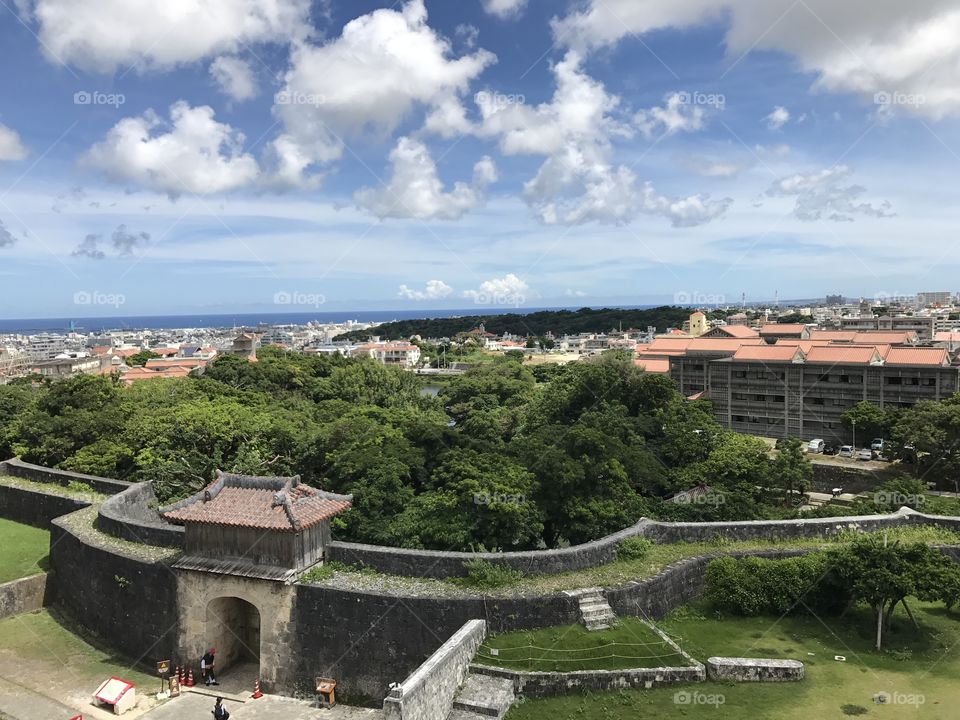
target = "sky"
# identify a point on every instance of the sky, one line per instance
(272, 155)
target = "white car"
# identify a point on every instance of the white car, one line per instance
(846, 451)
(815, 446)
(865, 454)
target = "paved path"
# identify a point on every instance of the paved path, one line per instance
(192, 706)
(20, 703)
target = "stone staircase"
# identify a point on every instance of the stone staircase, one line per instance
(482, 697)
(595, 611)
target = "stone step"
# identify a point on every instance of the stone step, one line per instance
(583, 592)
(601, 609)
(485, 695)
(597, 627)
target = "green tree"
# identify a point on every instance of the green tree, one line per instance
(871, 421)
(140, 359)
(884, 574)
(792, 470)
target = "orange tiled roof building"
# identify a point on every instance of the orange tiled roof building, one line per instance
(271, 526)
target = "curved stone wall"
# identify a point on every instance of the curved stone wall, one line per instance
(18, 468)
(131, 515)
(127, 601)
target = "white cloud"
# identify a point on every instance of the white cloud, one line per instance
(508, 290)
(435, 290)
(367, 80)
(569, 292)
(234, 77)
(777, 118)
(857, 46)
(467, 34)
(676, 115)
(827, 194)
(109, 35)
(706, 167)
(415, 191)
(578, 181)
(505, 8)
(196, 154)
(11, 148)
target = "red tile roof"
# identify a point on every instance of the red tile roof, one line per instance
(782, 329)
(916, 356)
(738, 331)
(839, 353)
(764, 353)
(721, 345)
(653, 365)
(262, 503)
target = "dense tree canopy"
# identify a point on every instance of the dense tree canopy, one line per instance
(504, 457)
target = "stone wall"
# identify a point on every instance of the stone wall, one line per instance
(427, 694)
(132, 515)
(24, 595)
(439, 564)
(129, 602)
(736, 669)
(18, 468)
(547, 684)
(33, 507)
(366, 641)
(677, 584)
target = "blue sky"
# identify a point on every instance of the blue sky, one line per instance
(479, 153)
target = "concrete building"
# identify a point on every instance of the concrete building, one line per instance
(941, 298)
(923, 325)
(802, 388)
(401, 354)
(46, 346)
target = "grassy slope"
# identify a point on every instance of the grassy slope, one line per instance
(24, 550)
(572, 647)
(927, 666)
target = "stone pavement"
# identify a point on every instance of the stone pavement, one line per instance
(269, 707)
(21, 703)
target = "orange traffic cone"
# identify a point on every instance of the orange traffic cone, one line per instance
(190, 682)
(256, 689)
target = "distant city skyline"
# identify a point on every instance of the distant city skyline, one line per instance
(516, 153)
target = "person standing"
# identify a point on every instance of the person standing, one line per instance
(219, 711)
(206, 667)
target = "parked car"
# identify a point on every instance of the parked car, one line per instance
(815, 446)
(846, 451)
(865, 454)
(830, 450)
(878, 444)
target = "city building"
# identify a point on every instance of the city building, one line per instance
(940, 298)
(46, 346)
(802, 387)
(401, 354)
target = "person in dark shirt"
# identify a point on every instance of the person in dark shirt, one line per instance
(206, 667)
(219, 711)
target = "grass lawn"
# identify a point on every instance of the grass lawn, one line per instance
(24, 550)
(41, 653)
(629, 644)
(916, 666)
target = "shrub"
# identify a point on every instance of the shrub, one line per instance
(753, 586)
(633, 548)
(483, 574)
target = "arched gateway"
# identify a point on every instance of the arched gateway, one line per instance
(246, 540)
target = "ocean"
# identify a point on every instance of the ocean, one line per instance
(158, 322)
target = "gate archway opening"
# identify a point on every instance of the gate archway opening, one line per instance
(233, 628)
